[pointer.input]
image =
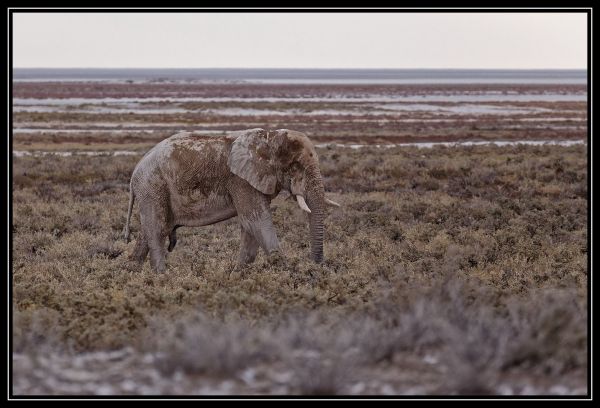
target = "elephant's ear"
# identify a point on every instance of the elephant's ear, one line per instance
(251, 159)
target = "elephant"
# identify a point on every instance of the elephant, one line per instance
(191, 180)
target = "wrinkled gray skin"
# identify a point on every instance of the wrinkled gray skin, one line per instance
(193, 180)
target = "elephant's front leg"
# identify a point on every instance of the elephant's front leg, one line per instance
(248, 248)
(258, 226)
(255, 218)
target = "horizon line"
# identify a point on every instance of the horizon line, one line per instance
(322, 68)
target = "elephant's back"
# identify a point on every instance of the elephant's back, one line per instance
(188, 147)
(184, 158)
(196, 161)
(162, 151)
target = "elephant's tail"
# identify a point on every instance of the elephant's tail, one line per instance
(131, 199)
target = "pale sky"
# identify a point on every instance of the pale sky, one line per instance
(300, 40)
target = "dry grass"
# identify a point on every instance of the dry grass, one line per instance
(327, 352)
(476, 256)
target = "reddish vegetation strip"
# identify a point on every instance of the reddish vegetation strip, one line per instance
(108, 90)
(521, 120)
(102, 138)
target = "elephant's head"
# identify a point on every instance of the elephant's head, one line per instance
(284, 160)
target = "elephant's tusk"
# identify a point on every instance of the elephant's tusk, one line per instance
(331, 203)
(302, 203)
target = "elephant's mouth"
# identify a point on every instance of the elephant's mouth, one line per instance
(302, 202)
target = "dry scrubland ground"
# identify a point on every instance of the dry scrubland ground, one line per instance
(448, 270)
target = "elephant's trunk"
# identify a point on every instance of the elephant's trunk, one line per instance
(315, 197)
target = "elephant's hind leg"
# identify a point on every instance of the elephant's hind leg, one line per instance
(154, 227)
(141, 249)
(157, 252)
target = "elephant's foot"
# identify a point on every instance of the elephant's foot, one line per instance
(246, 257)
(158, 253)
(239, 269)
(157, 261)
(248, 248)
(140, 251)
(276, 258)
(132, 265)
